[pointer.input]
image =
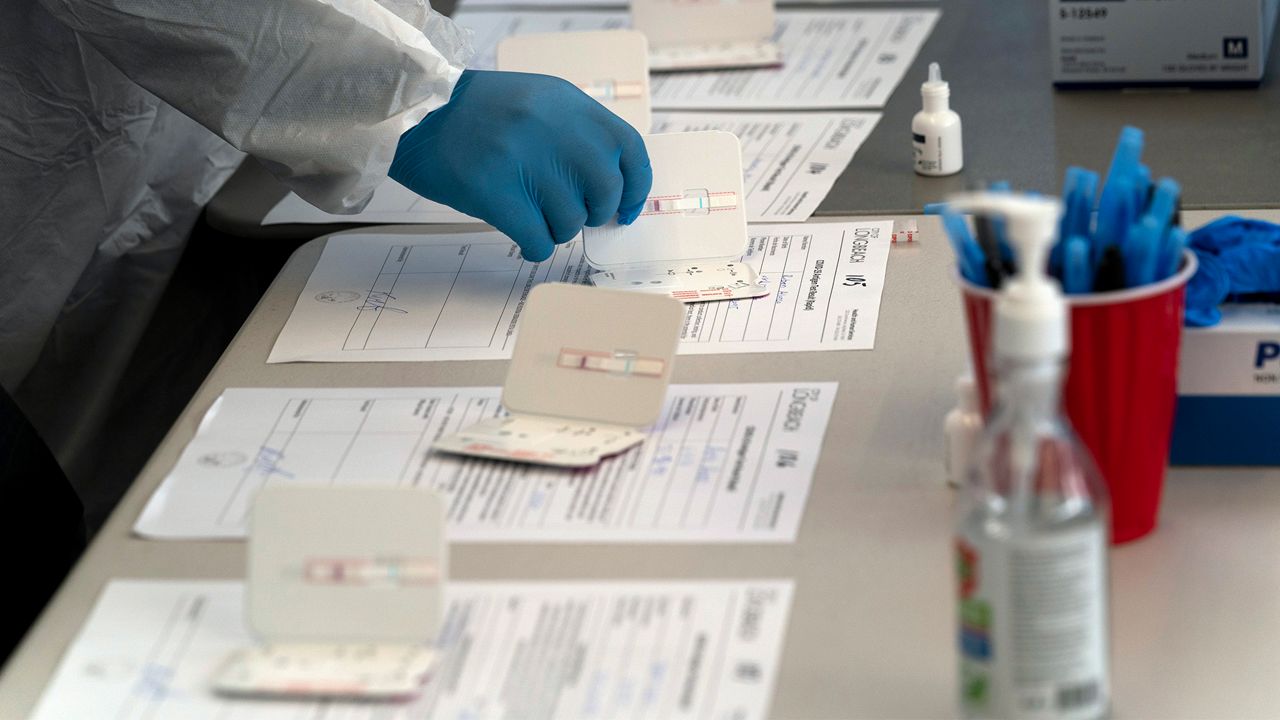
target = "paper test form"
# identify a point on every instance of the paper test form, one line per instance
(644, 650)
(616, 4)
(790, 162)
(413, 297)
(833, 59)
(725, 463)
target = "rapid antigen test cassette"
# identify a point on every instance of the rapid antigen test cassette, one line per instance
(612, 66)
(589, 369)
(707, 34)
(689, 239)
(345, 590)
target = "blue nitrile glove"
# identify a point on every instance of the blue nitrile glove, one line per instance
(1237, 257)
(531, 155)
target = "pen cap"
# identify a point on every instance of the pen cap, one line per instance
(1031, 320)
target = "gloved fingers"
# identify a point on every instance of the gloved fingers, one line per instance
(602, 190)
(523, 222)
(637, 175)
(565, 212)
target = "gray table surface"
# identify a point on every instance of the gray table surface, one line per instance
(1221, 145)
(1196, 606)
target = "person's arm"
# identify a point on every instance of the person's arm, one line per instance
(318, 90)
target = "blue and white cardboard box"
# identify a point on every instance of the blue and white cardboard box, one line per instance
(1229, 390)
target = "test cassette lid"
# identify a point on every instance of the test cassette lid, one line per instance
(695, 212)
(346, 564)
(603, 356)
(679, 22)
(612, 66)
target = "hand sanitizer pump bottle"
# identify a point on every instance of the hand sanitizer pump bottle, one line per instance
(1032, 531)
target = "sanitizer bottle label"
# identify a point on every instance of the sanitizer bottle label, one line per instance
(1033, 625)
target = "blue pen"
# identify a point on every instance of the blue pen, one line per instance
(1163, 201)
(1007, 258)
(1117, 207)
(1171, 250)
(1142, 253)
(1127, 156)
(935, 208)
(1069, 183)
(1082, 211)
(1077, 267)
(1142, 188)
(1115, 214)
(968, 255)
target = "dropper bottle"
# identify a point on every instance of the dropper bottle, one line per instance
(1032, 529)
(935, 130)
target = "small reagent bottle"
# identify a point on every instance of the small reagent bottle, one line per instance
(1032, 529)
(962, 428)
(935, 130)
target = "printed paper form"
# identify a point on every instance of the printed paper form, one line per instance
(832, 59)
(417, 298)
(537, 651)
(724, 463)
(790, 161)
(391, 203)
(499, 5)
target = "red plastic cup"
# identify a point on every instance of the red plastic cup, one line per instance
(1122, 384)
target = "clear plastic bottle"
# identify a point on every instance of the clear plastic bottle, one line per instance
(1032, 529)
(962, 427)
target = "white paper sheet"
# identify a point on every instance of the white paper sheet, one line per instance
(530, 650)
(414, 298)
(391, 203)
(725, 463)
(832, 59)
(618, 4)
(790, 161)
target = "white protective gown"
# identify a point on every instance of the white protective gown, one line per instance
(119, 119)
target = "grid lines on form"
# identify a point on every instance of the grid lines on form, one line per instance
(350, 440)
(430, 295)
(164, 658)
(697, 450)
(784, 262)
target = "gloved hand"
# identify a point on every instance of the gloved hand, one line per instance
(1237, 257)
(531, 155)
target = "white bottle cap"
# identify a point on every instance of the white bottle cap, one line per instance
(935, 86)
(967, 393)
(1031, 314)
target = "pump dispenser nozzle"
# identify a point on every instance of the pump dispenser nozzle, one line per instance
(1031, 314)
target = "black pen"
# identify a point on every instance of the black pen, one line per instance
(1110, 271)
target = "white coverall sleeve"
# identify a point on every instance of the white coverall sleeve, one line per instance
(318, 90)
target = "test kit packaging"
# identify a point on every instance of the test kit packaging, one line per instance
(1229, 390)
(1140, 42)
(691, 234)
(345, 591)
(612, 66)
(707, 34)
(590, 369)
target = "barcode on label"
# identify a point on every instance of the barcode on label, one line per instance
(1079, 695)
